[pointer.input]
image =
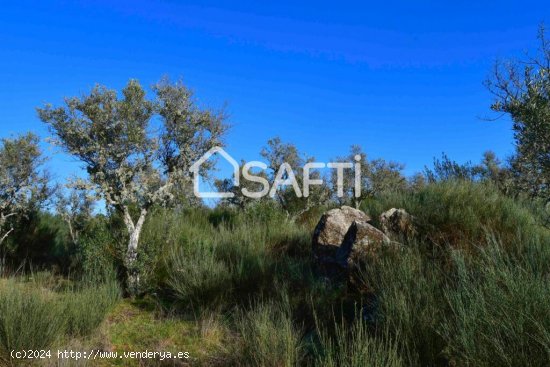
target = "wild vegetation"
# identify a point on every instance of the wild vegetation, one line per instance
(235, 284)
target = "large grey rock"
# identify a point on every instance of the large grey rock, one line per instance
(361, 240)
(397, 223)
(331, 229)
(342, 239)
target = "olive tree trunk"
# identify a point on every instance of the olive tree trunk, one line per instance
(130, 260)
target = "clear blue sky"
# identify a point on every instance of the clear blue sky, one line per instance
(402, 79)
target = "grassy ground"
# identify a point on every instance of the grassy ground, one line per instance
(136, 326)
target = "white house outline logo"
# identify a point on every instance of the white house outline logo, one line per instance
(196, 167)
(284, 168)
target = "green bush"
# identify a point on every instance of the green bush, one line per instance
(37, 241)
(486, 309)
(100, 250)
(211, 263)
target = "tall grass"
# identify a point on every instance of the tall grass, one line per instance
(197, 276)
(85, 307)
(33, 317)
(499, 310)
(460, 213)
(354, 346)
(409, 301)
(269, 338)
(481, 301)
(29, 318)
(223, 263)
(482, 310)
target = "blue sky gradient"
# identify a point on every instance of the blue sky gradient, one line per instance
(403, 80)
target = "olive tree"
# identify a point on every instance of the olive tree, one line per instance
(135, 149)
(75, 208)
(446, 169)
(376, 176)
(357, 160)
(291, 199)
(521, 90)
(23, 185)
(239, 200)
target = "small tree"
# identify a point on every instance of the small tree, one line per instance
(277, 153)
(447, 169)
(75, 208)
(23, 186)
(498, 173)
(135, 150)
(417, 182)
(521, 89)
(377, 176)
(349, 195)
(385, 176)
(239, 200)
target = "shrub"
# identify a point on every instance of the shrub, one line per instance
(36, 241)
(213, 263)
(99, 249)
(490, 308)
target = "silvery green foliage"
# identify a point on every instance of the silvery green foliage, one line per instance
(135, 150)
(350, 195)
(521, 89)
(377, 176)
(240, 200)
(490, 169)
(75, 208)
(22, 184)
(277, 152)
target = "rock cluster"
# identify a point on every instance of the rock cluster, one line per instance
(346, 235)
